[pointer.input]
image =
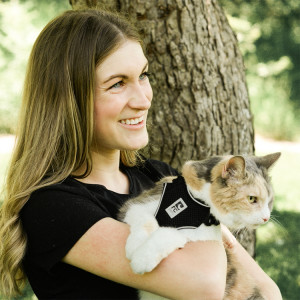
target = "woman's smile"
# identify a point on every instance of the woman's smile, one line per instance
(133, 121)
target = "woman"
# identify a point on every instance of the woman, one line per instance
(84, 115)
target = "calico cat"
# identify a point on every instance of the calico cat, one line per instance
(233, 190)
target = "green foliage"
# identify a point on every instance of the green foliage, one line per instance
(274, 115)
(27, 294)
(268, 33)
(20, 23)
(278, 242)
(278, 248)
(279, 23)
(285, 179)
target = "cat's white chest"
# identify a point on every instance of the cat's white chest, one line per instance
(148, 243)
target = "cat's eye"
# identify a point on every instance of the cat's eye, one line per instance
(252, 199)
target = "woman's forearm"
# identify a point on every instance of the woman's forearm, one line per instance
(197, 271)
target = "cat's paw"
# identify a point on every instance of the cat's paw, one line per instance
(141, 264)
(158, 246)
(134, 241)
(131, 245)
(138, 235)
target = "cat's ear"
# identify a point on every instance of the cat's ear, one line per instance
(268, 160)
(234, 167)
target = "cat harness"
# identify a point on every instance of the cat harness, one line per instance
(178, 208)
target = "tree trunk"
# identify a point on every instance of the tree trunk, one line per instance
(201, 105)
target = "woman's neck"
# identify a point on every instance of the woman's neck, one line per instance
(106, 171)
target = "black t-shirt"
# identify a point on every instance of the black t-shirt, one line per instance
(54, 219)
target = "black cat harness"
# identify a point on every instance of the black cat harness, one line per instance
(179, 209)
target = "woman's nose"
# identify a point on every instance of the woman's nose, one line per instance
(140, 97)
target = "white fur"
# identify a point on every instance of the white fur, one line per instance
(140, 217)
(203, 194)
(203, 233)
(155, 248)
(266, 213)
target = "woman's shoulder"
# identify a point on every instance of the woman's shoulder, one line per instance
(61, 205)
(68, 186)
(57, 195)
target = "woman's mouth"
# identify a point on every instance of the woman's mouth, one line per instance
(134, 121)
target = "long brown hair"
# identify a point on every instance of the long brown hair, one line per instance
(56, 124)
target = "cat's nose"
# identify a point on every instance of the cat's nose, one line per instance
(265, 219)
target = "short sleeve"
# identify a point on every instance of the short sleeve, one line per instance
(54, 221)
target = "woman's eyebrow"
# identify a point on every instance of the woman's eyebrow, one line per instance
(146, 66)
(123, 76)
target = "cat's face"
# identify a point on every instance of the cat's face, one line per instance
(239, 191)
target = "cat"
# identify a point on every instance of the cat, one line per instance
(233, 190)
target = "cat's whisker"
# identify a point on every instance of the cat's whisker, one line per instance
(237, 231)
(275, 220)
(244, 230)
(277, 223)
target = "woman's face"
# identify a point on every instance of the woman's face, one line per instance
(122, 98)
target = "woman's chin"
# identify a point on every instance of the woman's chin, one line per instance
(137, 145)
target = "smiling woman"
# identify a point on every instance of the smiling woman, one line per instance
(72, 127)
(84, 113)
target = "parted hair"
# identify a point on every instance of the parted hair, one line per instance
(56, 126)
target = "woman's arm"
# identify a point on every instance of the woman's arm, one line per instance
(267, 286)
(197, 270)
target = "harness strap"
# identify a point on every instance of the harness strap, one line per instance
(179, 209)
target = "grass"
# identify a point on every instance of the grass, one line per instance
(278, 249)
(278, 242)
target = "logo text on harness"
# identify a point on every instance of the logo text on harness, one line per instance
(176, 208)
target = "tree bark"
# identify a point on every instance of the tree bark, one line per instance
(201, 104)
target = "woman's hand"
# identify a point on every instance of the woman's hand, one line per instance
(229, 240)
(266, 285)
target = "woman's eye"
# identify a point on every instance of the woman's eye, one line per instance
(145, 75)
(117, 85)
(252, 199)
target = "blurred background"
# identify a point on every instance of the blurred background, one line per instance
(269, 36)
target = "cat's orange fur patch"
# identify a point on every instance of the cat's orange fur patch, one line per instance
(218, 169)
(150, 227)
(191, 178)
(219, 192)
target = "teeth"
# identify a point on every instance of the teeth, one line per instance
(132, 121)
